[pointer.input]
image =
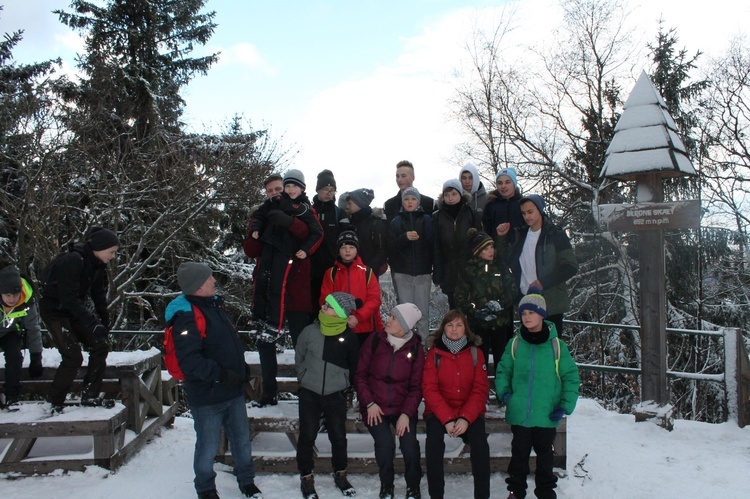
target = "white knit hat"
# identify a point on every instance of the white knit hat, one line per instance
(407, 315)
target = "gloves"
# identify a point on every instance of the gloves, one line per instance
(506, 398)
(493, 306)
(557, 413)
(231, 378)
(278, 217)
(100, 332)
(35, 365)
(483, 314)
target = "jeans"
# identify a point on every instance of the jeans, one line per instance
(476, 437)
(11, 344)
(415, 289)
(542, 440)
(385, 451)
(208, 421)
(333, 408)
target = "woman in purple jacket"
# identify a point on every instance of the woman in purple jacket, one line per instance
(389, 389)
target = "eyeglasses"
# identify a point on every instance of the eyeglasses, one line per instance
(328, 190)
(325, 306)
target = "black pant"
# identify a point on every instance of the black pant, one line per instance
(11, 345)
(541, 440)
(476, 437)
(333, 408)
(385, 451)
(270, 286)
(66, 334)
(557, 320)
(269, 366)
(495, 341)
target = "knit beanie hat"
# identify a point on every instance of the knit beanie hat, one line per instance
(411, 192)
(191, 276)
(407, 315)
(453, 183)
(362, 197)
(533, 301)
(101, 239)
(348, 237)
(325, 179)
(536, 199)
(478, 240)
(295, 177)
(10, 280)
(508, 172)
(343, 303)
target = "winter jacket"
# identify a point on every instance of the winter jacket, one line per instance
(411, 257)
(374, 235)
(555, 264)
(391, 379)
(23, 318)
(455, 387)
(532, 381)
(450, 244)
(72, 277)
(499, 210)
(354, 278)
(478, 192)
(281, 237)
(330, 217)
(326, 364)
(482, 281)
(392, 206)
(203, 359)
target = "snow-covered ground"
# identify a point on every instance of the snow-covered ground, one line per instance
(609, 456)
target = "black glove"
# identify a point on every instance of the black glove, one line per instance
(35, 365)
(278, 217)
(483, 314)
(231, 378)
(494, 306)
(557, 413)
(100, 332)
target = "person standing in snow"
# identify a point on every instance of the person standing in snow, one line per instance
(538, 380)
(215, 375)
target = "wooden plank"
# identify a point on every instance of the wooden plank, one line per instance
(18, 449)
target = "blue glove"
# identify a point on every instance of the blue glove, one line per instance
(557, 413)
(506, 398)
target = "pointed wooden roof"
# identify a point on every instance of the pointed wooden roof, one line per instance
(646, 138)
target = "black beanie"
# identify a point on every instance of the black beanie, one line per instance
(348, 237)
(478, 241)
(101, 239)
(325, 179)
(10, 280)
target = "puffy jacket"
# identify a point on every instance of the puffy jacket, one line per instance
(555, 264)
(451, 243)
(23, 318)
(391, 379)
(532, 381)
(455, 387)
(326, 364)
(202, 359)
(374, 235)
(353, 278)
(499, 210)
(281, 237)
(411, 257)
(70, 279)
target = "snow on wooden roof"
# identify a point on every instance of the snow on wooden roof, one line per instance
(646, 138)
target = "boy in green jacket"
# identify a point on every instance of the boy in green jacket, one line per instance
(539, 382)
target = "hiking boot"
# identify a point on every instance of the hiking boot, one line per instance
(251, 491)
(208, 494)
(265, 400)
(386, 491)
(339, 478)
(270, 334)
(97, 402)
(307, 486)
(413, 493)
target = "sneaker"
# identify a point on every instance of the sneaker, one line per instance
(265, 400)
(251, 491)
(339, 478)
(97, 402)
(413, 493)
(307, 486)
(208, 494)
(386, 491)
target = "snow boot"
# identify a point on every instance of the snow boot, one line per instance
(307, 486)
(270, 334)
(413, 493)
(252, 491)
(265, 400)
(339, 478)
(97, 402)
(386, 491)
(208, 494)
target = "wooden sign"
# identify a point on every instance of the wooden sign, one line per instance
(651, 216)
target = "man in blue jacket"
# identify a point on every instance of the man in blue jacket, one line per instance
(213, 362)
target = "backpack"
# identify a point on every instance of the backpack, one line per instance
(555, 349)
(473, 357)
(170, 356)
(335, 269)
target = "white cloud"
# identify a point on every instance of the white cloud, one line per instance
(247, 56)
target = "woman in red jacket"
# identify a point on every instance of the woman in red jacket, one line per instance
(389, 389)
(455, 390)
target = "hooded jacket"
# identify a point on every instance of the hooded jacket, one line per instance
(391, 379)
(478, 192)
(353, 278)
(451, 242)
(23, 318)
(326, 364)
(532, 380)
(203, 359)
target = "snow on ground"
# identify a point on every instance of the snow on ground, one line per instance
(609, 456)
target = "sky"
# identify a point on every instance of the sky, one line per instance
(609, 456)
(356, 87)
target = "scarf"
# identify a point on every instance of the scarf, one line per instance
(453, 209)
(455, 346)
(331, 325)
(397, 343)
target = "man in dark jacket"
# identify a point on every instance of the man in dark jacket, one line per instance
(330, 216)
(215, 373)
(66, 283)
(404, 179)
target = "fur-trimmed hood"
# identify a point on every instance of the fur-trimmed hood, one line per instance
(495, 195)
(439, 201)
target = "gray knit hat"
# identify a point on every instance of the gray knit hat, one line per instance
(453, 183)
(343, 303)
(295, 177)
(192, 275)
(362, 197)
(533, 301)
(407, 315)
(411, 191)
(101, 239)
(10, 280)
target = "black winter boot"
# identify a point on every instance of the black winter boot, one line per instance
(339, 478)
(307, 486)
(386, 491)
(208, 494)
(252, 491)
